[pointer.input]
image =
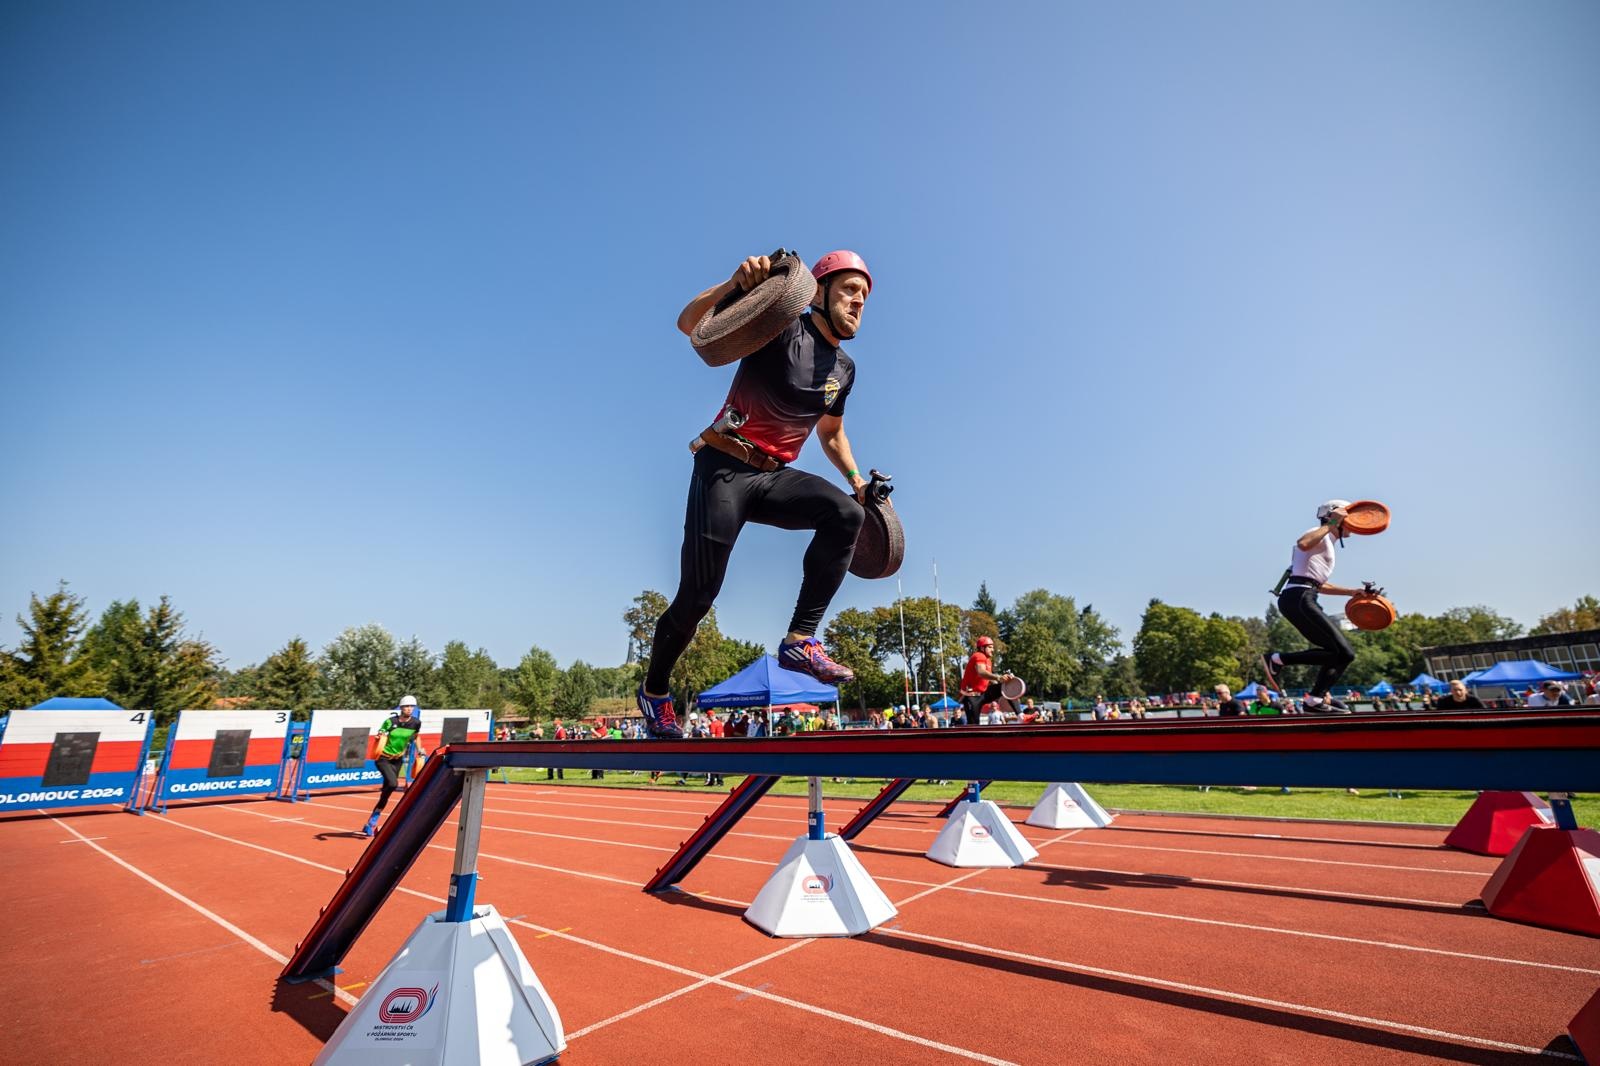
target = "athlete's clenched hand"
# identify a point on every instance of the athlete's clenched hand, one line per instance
(752, 272)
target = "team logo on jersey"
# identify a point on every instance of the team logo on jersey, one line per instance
(830, 390)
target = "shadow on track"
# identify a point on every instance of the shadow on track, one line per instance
(680, 898)
(309, 1004)
(1091, 880)
(1333, 1028)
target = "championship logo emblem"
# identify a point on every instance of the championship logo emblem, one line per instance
(406, 1005)
(978, 832)
(816, 885)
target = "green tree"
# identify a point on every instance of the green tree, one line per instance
(641, 619)
(415, 672)
(358, 668)
(852, 639)
(1122, 678)
(575, 691)
(618, 682)
(163, 669)
(709, 658)
(289, 678)
(46, 662)
(1584, 614)
(916, 630)
(1034, 654)
(1098, 646)
(1044, 644)
(468, 678)
(533, 687)
(985, 602)
(190, 680)
(1178, 650)
(113, 646)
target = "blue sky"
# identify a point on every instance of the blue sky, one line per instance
(316, 315)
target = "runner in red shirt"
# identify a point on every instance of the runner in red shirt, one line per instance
(979, 683)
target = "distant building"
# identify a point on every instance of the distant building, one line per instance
(1579, 652)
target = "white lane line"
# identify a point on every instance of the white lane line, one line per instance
(957, 884)
(636, 824)
(686, 989)
(608, 807)
(1482, 874)
(1178, 879)
(275, 956)
(450, 822)
(702, 979)
(79, 840)
(1239, 997)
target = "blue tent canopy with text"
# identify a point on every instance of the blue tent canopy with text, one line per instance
(764, 683)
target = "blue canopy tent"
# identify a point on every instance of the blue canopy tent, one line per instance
(1382, 688)
(1253, 689)
(65, 703)
(945, 703)
(74, 703)
(1519, 672)
(766, 684)
(1428, 681)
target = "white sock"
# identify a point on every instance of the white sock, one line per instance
(1277, 660)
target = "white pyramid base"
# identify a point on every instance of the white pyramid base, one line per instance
(819, 889)
(979, 834)
(1065, 805)
(457, 992)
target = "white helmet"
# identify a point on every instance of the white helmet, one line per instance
(1328, 508)
(408, 701)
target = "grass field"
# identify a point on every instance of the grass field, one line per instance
(1374, 805)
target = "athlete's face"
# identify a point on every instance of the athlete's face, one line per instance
(847, 295)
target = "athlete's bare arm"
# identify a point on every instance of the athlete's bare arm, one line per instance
(836, 446)
(1312, 537)
(752, 272)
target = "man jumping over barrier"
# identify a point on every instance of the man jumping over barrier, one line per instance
(795, 383)
(980, 684)
(396, 733)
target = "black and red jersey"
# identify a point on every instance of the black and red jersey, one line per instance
(785, 387)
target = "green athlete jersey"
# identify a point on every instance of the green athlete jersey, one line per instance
(397, 734)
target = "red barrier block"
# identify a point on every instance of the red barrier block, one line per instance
(1585, 1029)
(1496, 821)
(1551, 878)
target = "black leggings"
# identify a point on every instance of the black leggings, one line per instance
(724, 494)
(390, 769)
(1331, 652)
(973, 704)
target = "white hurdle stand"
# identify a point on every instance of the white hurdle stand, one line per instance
(820, 888)
(978, 834)
(1065, 805)
(460, 990)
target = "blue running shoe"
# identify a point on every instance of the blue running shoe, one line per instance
(372, 825)
(660, 720)
(808, 657)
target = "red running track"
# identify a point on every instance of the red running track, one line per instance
(158, 939)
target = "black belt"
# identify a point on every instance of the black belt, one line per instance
(1302, 582)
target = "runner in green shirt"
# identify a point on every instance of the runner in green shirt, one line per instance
(397, 733)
